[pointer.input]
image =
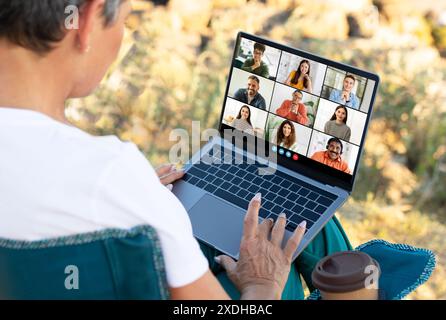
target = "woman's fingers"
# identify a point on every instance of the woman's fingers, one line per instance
(294, 241)
(278, 230)
(171, 176)
(252, 218)
(164, 169)
(265, 228)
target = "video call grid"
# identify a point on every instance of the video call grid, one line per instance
(312, 127)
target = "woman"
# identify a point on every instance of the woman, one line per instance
(286, 136)
(337, 125)
(57, 180)
(243, 120)
(300, 78)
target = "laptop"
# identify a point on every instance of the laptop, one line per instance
(292, 127)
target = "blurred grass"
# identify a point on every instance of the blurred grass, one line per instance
(173, 69)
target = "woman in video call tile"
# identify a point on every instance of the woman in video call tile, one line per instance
(300, 78)
(337, 125)
(346, 96)
(286, 136)
(294, 109)
(243, 120)
(332, 156)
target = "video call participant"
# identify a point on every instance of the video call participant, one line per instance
(286, 136)
(243, 120)
(332, 156)
(251, 94)
(337, 125)
(294, 109)
(346, 96)
(255, 64)
(300, 78)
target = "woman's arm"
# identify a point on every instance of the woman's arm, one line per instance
(207, 287)
(326, 127)
(309, 85)
(348, 134)
(288, 80)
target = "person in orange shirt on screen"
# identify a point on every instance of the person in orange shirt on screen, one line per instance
(332, 156)
(294, 109)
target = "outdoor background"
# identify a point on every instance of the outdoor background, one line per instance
(173, 69)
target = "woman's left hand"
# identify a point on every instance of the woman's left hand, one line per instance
(168, 174)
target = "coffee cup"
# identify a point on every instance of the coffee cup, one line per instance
(347, 275)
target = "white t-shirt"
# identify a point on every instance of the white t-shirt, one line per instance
(56, 180)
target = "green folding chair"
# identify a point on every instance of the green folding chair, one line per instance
(108, 264)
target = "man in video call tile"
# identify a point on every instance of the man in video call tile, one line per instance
(346, 97)
(294, 109)
(251, 95)
(332, 156)
(255, 64)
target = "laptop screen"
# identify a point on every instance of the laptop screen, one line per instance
(311, 111)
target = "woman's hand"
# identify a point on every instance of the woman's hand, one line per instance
(169, 174)
(263, 267)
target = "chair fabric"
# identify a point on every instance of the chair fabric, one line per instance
(403, 268)
(110, 264)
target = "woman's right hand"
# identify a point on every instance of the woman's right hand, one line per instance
(263, 266)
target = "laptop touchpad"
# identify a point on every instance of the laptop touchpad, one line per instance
(218, 223)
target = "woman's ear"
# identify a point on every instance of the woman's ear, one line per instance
(89, 13)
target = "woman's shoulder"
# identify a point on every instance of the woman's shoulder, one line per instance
(294, 146)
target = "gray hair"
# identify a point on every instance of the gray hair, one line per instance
(38, 24)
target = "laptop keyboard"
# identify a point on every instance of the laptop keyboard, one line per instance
(238, 183)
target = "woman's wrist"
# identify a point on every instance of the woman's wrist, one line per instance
(270, 291)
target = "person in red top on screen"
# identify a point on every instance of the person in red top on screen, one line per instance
(294, 109)
(332, 156)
